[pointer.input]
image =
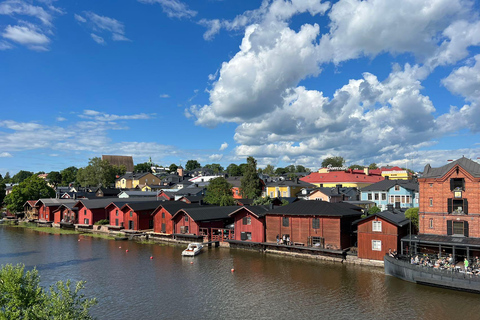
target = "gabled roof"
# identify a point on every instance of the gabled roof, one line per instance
(289, 183)
(355, 176)
(316, 208)
(52, 202)
(468, 165)
(258, 211)
(109, 191)
(244, 202)
(143, 205)
(173, 206)
(139, 193)
(386, 185)
(397, 217)
(134, 175)
(236, 182)
(31, 203)
(192, 198)
(204, 213)
(94, 203)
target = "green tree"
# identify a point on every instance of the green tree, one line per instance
(290, 169)
(356, 167)
(219, 192)
(262, 201)
(32, 188)
(412, 215)
(333, 161)
(54, 177)
(373, 210)
(2, 192)
(372, 166)
(21, 176)
(22, 297)
(233, 170)
(69, 175)
(300, 168)
(242, 167)
(143, 167)
(99, 173)
(279, 171)
(250, 185)
(173, 168)
(215, 167)
(7, 178)
(192, 165)
(269, 170)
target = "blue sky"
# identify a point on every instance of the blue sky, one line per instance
(288, 82)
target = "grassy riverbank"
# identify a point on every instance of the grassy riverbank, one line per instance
(51, 230)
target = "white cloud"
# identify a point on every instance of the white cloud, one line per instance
(97, 39)
(18, 7)
(164, 95)
(5, 45)
(215, 157)
(60, 119)
(5, 155)
(26, 36)
(103, 25)
(173, 8)
(223, 146)
(465, 81)
(102, 116)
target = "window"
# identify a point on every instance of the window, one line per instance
(85, 212)
(407, 199)
(377, 196)
(271, 194)
(384, 196)
(131, 213)
(163, 214)
(247, 221)
(377, 226)
(245, 236)
(186, 218)
(85, 221)
(316, 223)
(116, 212)
(376, 245)
(397, 187)
(116, 222)
(369, 196)
(458, 206)
(457, 184)
(431, 224)
(284, 193)
(285, 222)
(457, 228)
(430, 185)
(430, 202)
(164, 227)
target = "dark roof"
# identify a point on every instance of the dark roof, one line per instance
(127, 161)
(109, 191)
(397, 217)
(133, 175)
(316, 208)
(193, 198)
(258, 211)
(234, 181)
(470, 166)
(288, 199)
(95, 203)
(244, 201)
(49, 202)
(189, 191)
(443, 240)
(174, 206)
(203, 213)
(143, 205)
(385, 185)
(289, 183)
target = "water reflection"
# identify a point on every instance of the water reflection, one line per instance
(131, 285)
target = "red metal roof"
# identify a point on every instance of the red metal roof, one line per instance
(355, 176)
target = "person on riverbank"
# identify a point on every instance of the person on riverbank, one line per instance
(284, 239)
(465, 262)
(278, 239)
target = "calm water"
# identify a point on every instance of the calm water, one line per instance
(131, 285)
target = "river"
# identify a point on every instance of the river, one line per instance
(130, 285)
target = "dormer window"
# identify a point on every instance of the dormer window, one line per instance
(457, 184)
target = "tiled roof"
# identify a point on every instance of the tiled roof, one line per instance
(386, 185)
(470, 166)
(316, 208)
(342, 177)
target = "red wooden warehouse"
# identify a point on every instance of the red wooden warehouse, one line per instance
(162, 215)
(47, 206)
(249, 223)
(313, 223)
(139, 215)
(381, 232)
(91, 211)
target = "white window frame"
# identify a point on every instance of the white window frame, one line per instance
(376, 245)
(377, 226)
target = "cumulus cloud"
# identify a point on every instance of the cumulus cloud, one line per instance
(223, 146)
(17, 7)
(5, 45)
(215, 157)
(164, 96)
(465, 81)
(5, 155)
(26, 36)
(103, 25)
(173, 8)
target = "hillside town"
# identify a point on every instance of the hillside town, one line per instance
(347, 214)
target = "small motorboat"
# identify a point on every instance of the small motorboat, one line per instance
(192, 250)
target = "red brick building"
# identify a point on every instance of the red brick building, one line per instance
(449, 209)
(313, 223)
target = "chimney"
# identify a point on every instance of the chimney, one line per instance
(180, 171)
(387, 178)
(390, 207)
(366, 171)
(338, 186)
(397, 205)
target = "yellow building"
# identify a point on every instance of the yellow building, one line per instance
(132, 180)
(285, 188)
(396, 173)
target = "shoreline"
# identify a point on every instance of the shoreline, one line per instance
(102, 232)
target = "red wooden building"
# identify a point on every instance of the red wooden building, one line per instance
(139, 215)
(162, 215)
(47, 206)
(313, 223)
(91, 211)
(202, 220)
(381, 232)
(66, 213)
(249, 223)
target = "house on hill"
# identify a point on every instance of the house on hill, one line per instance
(399, 193)
(331, 177)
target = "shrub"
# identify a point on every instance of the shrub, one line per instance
(102, 222)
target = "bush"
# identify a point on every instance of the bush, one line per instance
(22, 297)
(102, 222)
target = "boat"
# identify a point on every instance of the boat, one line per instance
(192, 250)
(448, 279)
